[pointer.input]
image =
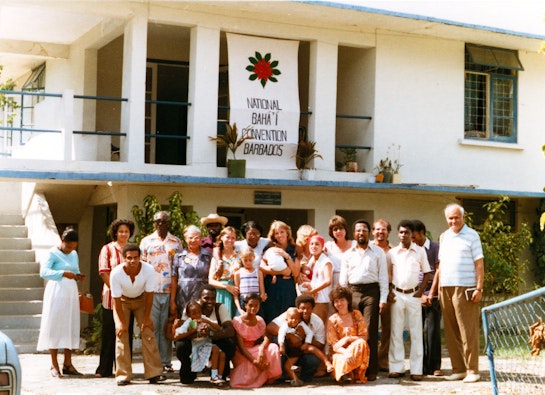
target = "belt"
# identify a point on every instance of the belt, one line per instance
(364, 287)
(406, 291)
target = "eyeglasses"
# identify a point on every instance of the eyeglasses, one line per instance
(160, 221)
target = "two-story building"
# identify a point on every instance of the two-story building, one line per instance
(117, 100)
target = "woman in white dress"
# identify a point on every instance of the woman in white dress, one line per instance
(60, 324)
(335, 249)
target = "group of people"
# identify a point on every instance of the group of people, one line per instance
(266, 308)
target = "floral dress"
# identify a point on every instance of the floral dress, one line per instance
(355, 356)
(226, 276)
(192, 273)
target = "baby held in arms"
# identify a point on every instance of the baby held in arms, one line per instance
(275, 258)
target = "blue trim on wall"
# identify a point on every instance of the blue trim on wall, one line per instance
(419, 17)
(26, 175)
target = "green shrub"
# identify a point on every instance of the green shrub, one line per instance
(143, 217)
(502, 248)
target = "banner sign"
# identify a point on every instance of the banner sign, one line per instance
(264, 99)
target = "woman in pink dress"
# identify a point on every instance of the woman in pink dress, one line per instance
(257, 360)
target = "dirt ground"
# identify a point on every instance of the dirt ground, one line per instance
(37, 381)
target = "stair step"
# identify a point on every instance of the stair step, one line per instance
(13, 231)
(17, 256)
(19, 267)
(23, 336)
(7, 219)
(21, 281)
(15, 243)
(17, 322)
(10, 294)
(20, 307)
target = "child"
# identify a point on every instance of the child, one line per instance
(319, 285)
(275, 258)
(202, 349)
(295, 328)
(248, 279)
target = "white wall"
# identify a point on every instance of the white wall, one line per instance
(420, 105)
(416, 99)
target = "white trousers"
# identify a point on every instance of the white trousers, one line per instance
(409, 308)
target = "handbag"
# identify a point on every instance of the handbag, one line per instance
(86, 304)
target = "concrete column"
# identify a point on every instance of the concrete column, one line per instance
(68, 123)
(133, 88)
(203, 94)
(323, 101)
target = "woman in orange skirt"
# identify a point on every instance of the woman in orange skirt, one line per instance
(347, 338)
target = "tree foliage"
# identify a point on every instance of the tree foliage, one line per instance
(7, 102)
(502, 248)
(179, 219)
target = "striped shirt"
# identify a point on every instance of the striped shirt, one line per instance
(110, 256)
(457, 254)
(249, 282)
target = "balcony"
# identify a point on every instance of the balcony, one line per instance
(56, 137)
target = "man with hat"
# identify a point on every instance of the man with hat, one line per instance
(214, 223)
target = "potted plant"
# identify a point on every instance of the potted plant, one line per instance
(350, 159)
(387, 168)
(384, 171)
(236, 168)
(306, 151)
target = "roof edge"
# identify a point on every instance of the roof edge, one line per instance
(36, 176)
(399, 14)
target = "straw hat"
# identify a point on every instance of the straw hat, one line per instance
(214, 219)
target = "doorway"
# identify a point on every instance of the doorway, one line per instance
(166, 116)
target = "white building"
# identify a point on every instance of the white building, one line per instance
(463, 102)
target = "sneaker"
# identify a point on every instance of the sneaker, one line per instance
(472, 378)
(168, 369)
(456, 376)
(122, 383)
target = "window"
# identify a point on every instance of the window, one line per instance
(491, 93)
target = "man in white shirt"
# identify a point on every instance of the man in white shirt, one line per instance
(406, 261)
(223, 338)
(460, 278)
(309, 363)
(132, 284)
(365, 272)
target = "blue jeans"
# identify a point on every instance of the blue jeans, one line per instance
(159, 315)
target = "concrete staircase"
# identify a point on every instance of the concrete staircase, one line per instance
(21, 288)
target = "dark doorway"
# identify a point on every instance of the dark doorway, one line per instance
(166, 117)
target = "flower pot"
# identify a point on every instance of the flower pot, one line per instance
(396, 178)
(236, 168)
(352, 167)
(379, 177)
(387, 177)
(307, 174)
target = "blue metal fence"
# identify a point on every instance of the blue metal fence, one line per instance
(513, 369)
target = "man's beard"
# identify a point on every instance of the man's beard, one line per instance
(362, 241)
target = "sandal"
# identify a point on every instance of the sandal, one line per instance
(70, 370)
(55, 372)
